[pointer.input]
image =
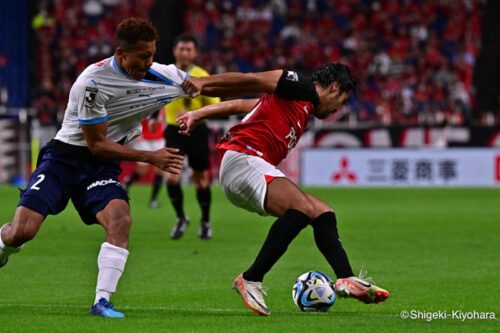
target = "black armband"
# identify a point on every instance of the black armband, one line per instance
(297, 86)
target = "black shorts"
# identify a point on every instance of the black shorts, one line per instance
(194, 146)
(67, 172)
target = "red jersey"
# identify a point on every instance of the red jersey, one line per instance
(147, 134)
(271, 129)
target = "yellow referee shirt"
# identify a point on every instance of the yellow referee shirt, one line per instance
(173, 108)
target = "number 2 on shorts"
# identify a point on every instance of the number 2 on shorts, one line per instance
(40, 177)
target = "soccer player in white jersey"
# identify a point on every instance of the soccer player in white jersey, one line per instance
(106, 105)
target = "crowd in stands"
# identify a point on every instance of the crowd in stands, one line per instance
(70, 35)
(413, 59)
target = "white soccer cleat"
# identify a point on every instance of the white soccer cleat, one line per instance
(253, 295)
(360, 288)
(6, 252)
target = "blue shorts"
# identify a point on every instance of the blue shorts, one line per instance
(69, 172)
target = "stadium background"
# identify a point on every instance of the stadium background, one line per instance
(426, 69)
(429, 82)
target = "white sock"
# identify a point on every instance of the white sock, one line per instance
(6, 250)
(111, 262)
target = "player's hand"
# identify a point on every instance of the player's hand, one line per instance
(192, 86)
(168, 159)
(187, 122)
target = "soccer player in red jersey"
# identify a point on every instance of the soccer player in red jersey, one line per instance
(252, 150)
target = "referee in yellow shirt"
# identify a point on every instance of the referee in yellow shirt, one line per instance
(194, 146)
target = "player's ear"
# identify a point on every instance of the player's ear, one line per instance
(120, 51)
(334, 87)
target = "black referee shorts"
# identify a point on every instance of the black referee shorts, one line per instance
(194, 146)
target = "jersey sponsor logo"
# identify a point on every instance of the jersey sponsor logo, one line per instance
(103, 182)
(145, 104)
(292, 138)
(143, 90)
(292, 76)
(90, 95)
(145, 95)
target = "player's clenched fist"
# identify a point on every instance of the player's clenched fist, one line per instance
(167, 159)
(192, 86)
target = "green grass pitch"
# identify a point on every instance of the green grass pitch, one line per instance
(433, 249)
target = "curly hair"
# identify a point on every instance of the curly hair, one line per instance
(326, 74)
(133, 30)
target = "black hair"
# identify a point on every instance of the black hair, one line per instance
(133, 30)
(326, 74)
(186, 38)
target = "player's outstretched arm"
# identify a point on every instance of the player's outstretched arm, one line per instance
(232, 84)
(166, 159)
(188, 121)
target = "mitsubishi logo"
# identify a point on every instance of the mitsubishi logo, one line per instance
(344, 172)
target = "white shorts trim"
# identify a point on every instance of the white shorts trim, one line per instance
(243, 180)
(147, 145)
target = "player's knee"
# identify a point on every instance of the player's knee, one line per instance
(321, 208)
(120, 224)
(200, 182)
(172, 179)
(117, 219)
(307, 207)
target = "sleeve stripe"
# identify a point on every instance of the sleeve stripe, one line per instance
(93, 121)
(162, 77)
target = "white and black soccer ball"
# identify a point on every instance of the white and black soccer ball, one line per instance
(313, 292)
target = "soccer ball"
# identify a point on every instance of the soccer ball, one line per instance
(313, 292)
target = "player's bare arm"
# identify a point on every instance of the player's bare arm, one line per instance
(232, 84)
(188, 121)
(166, 159)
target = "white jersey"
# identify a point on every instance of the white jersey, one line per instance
(104, 92)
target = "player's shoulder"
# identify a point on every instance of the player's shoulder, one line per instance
(198, 71)
(171, 71)
(99, 67)
(95, 72)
